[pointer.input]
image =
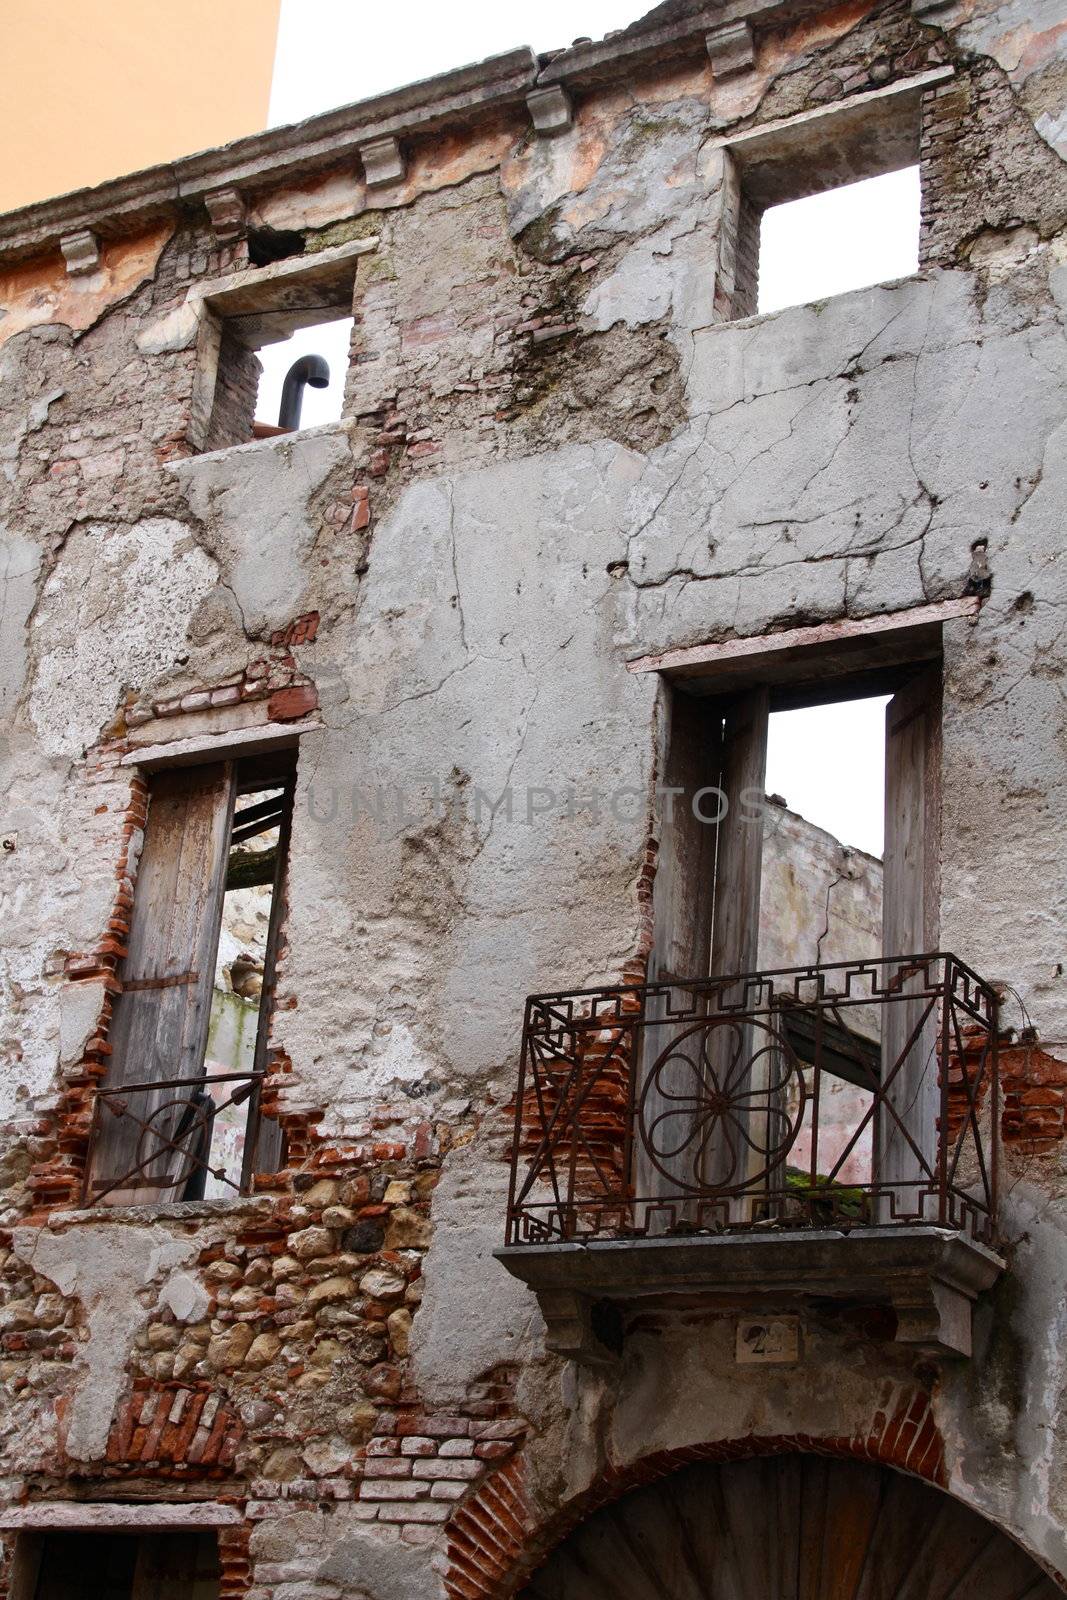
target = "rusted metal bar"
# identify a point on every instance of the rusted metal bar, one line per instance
(173, 1133)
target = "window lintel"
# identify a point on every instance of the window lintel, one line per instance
(867, 134)
(830, 651)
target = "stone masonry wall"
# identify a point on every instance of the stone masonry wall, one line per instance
(561, 448)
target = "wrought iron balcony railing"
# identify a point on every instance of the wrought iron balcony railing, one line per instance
(863, 1093)
(173, 1139)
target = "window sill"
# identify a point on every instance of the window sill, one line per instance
(823, 302)
(279, 441)
(164, 1211)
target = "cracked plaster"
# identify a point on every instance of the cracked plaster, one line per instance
(103, 1268)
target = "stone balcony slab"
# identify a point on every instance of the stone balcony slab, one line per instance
(928, 1277)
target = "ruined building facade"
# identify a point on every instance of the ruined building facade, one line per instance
(397, 702)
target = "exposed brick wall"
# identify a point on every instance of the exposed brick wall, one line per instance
(1033, 1093)
(506, 365)
(235, 1567)
(746, 259)
(970, 1079)
(62, 1138)
(599, 1098)
(984, 166)
(173, 1428)
(1033, 1099)
(236, 387)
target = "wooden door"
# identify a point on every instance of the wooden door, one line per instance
(790, 1527)
(161, 1018)
(706, 913)
(177, 1566)
(907, 1133)
(683, 901)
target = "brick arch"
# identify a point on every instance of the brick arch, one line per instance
(498, 1536)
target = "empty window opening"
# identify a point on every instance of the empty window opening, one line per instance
(837, 1071)
(116, 1566)
(179, 1116)
(842, 239)
(302, 378)
(256, 326)
(238, 1019)
(827, 762)
(266, 245)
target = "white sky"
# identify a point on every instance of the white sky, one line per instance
(845, 239)
(827, 762)
(320, 405)
(332, 52)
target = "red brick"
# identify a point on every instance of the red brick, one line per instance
(288, 705)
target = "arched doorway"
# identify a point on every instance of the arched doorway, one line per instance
(794, 1527)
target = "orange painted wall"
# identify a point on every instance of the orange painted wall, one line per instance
(97, 88)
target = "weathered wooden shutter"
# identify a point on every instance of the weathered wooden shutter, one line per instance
(910, 926)
(706, 903)
(685, 869)
(683, 898)
(735, 938)
(160, 1027)
(739, 857)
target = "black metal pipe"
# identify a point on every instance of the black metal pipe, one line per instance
(311, 370)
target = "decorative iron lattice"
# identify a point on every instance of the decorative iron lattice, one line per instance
(154, 1139)
(715, 1105)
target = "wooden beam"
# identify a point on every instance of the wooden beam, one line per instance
(250, 869)
(850, 641)
(237, 742)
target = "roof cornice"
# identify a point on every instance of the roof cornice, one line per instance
(453, 99)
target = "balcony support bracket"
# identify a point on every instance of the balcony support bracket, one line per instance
(570, 1329)
(938, 1322)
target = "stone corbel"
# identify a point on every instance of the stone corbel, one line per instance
(569, 1328)
(383, 162)
(228, 214)
(937, 1321)
(731, 48)
(81, 252)
(551, 111)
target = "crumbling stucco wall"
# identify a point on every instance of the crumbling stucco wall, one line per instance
(558, 453)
